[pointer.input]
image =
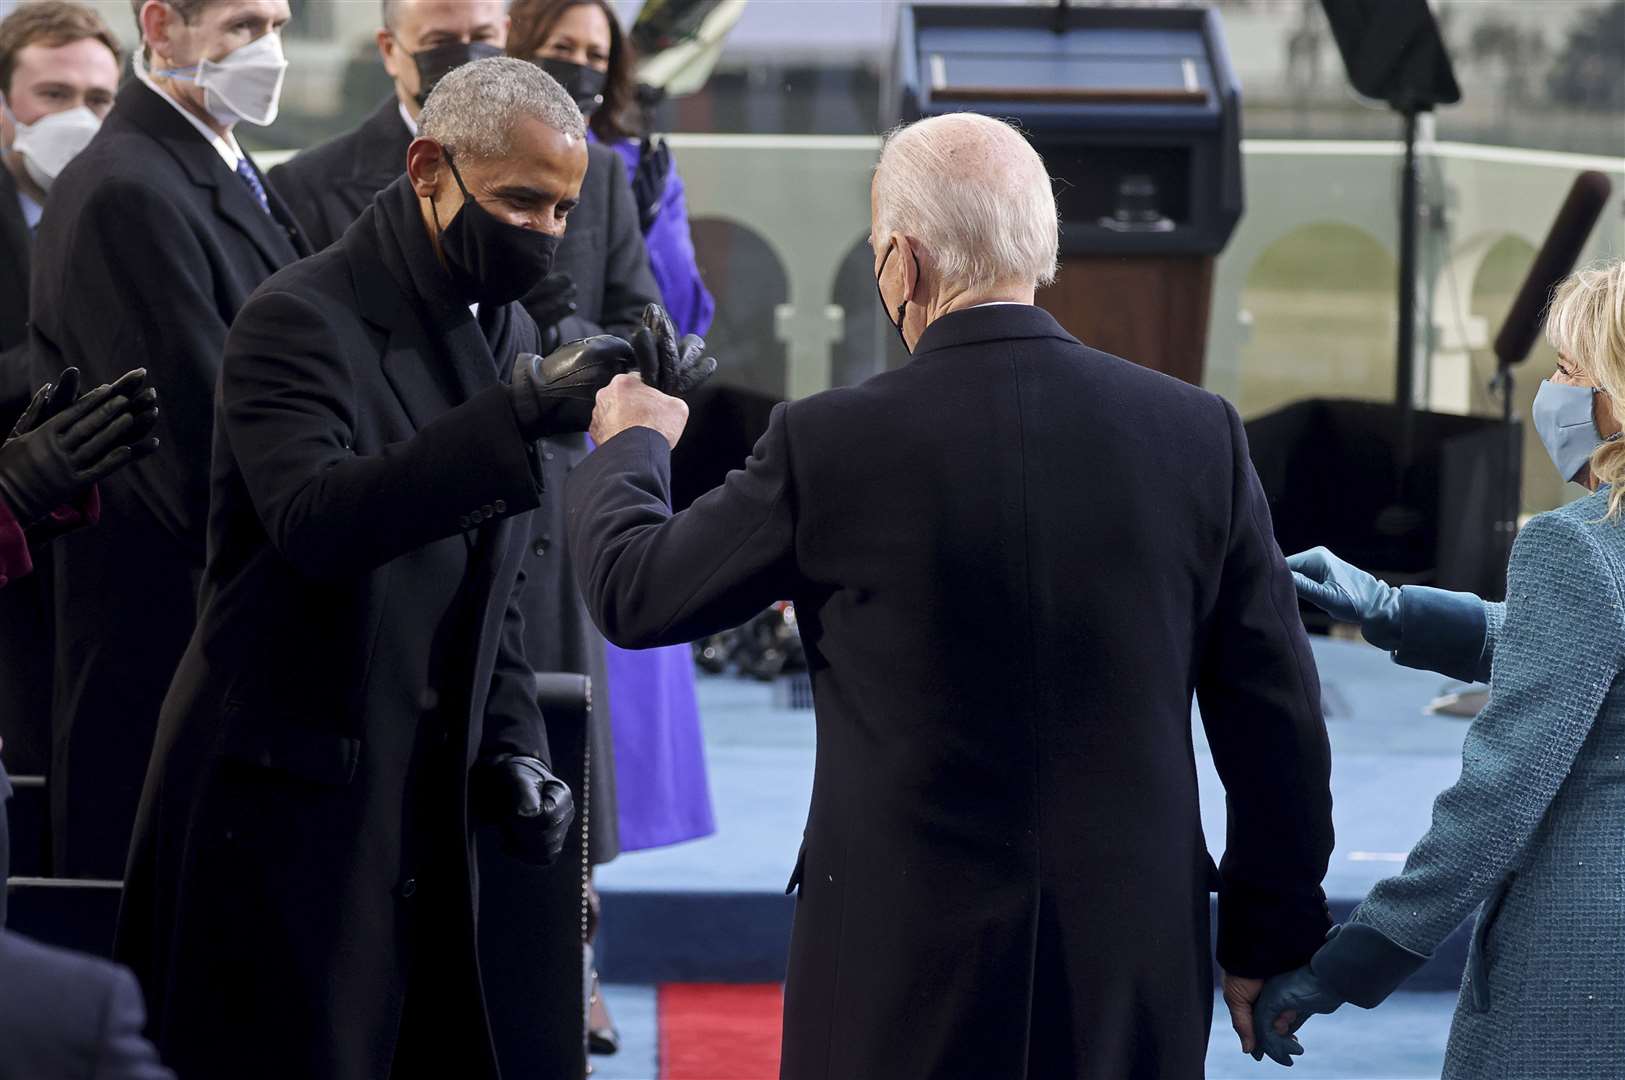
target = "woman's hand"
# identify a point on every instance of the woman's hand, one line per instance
(1348, 594)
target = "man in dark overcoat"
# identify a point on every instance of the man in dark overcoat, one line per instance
(600, 283)
(301, 892)
(1014, 562)
(152, 240)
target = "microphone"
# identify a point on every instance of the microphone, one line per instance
(1554, 262)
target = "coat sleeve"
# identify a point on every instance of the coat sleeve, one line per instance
(513, 719)
(135, 256)
(125, 1054)
(1555, 659)
(676, 268)
(1259, 694)
(650, 578)
(288, 407)
(1447, 632)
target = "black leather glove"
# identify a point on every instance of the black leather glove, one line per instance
(48, 462)
(553, 300)
(670, 366)
(649, 179)
(51, 399)
(532, 807)
(553, 394)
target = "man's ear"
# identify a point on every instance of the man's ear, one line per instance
(908, 255)
(155, 23)
(389, 51)
(424, 159)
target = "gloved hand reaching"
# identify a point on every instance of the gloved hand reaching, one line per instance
(1348, 594)
(671, 366)
(553, 394)
(61, 446)
(1300, 994)
(532, 807)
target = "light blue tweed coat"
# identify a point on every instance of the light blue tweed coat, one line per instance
(1534, 830)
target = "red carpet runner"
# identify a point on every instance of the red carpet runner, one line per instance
(713, 1032)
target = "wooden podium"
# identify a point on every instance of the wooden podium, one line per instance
(1151, 309)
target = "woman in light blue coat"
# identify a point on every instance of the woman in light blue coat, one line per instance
(1533, 833)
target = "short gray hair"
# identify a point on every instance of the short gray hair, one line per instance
(475, 108)
(976, 196)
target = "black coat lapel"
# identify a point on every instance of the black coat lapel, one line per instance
(232, 200)
(436, 356)
(16, 243)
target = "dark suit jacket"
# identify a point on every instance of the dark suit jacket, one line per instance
(65, 1015)
(148, 247)
(68, 1016)
(25, 662)
(304, 831)
(1013, 560)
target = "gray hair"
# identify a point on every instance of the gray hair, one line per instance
(475, 108)
(976, 196)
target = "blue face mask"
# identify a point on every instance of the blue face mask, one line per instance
(1566, 425)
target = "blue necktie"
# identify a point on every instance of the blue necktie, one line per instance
(252, 179)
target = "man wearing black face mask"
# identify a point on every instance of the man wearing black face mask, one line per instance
(356, 700)
(601, 282)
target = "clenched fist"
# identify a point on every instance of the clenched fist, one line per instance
(629, 402)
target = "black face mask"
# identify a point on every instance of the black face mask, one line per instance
(490, 261)
(436, 63)
(583, 83)
(902, 309)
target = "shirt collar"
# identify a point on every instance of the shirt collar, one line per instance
(406, 118)
(226, 147)
(31, 209)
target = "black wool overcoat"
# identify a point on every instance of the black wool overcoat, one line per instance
(303, 859)
(1014, 561)
(148, 248)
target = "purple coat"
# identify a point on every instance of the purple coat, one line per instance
(661, 785)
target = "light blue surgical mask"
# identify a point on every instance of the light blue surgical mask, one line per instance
(1567, 426)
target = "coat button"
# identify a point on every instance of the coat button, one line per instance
(408, 888)
(501, 505)
(541, 545)
(548, 454)
(488, 511)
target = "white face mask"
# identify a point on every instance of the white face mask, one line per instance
(245, 84)
(49, 143)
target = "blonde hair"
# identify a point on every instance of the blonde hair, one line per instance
(1586, 325)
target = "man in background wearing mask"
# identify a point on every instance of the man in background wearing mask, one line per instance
(59, 69)
(151, 241)
(300, 897)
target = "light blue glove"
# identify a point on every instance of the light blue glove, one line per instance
(1348, 594)
(1300, 991)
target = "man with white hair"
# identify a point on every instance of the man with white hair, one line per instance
(1014, 560)
(300, 897)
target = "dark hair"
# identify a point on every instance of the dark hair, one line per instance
(531, 23)
(51, 23)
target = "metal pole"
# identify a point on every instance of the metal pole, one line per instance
(1410, 187)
